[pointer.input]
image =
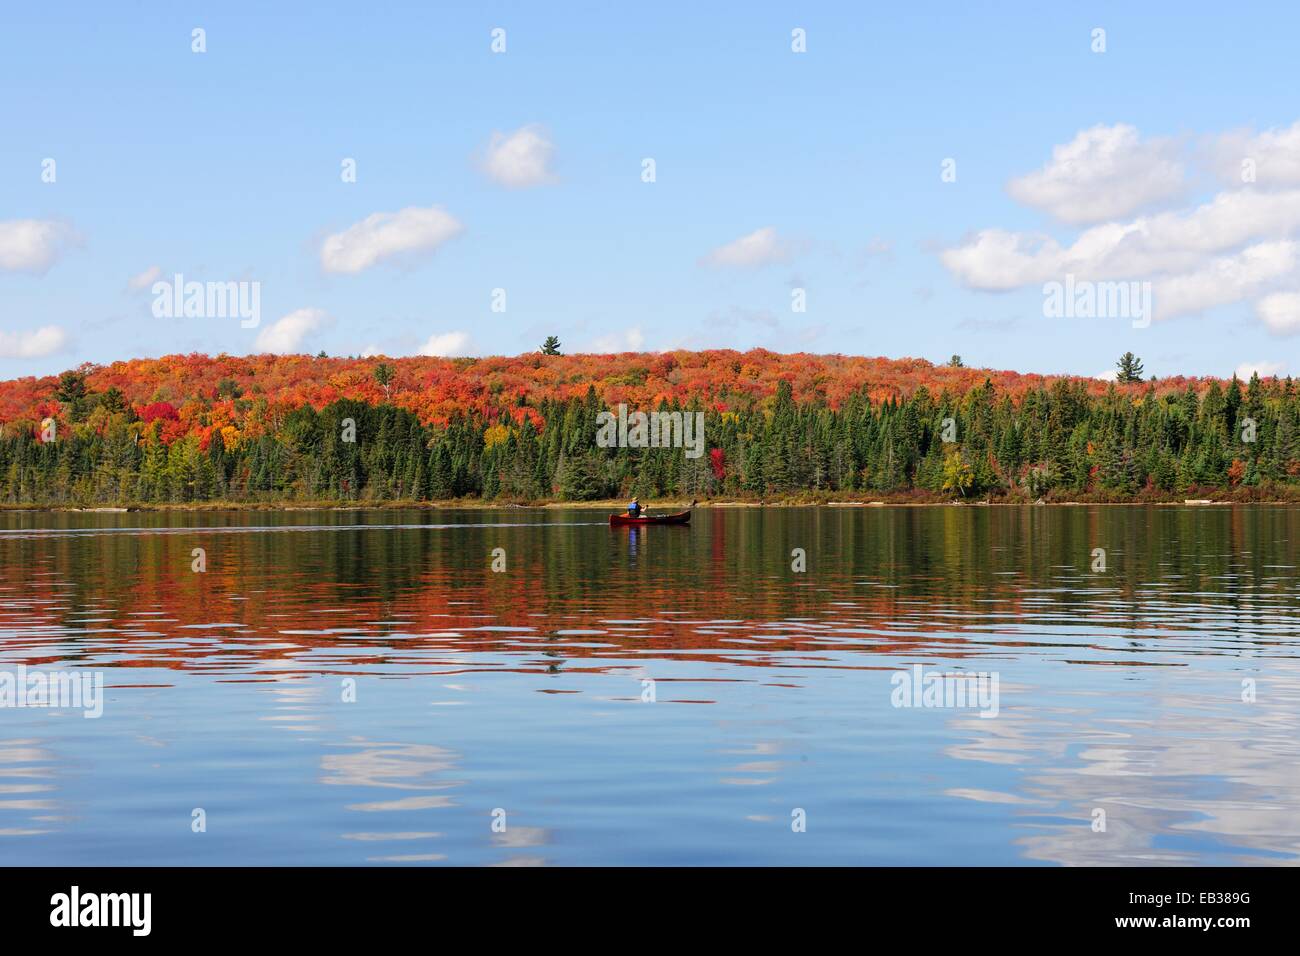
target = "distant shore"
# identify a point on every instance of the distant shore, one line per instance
(1203, 497)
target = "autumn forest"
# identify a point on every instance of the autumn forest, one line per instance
(271, 429)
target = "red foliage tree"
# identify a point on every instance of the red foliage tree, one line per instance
(164, 410)
(718, 462)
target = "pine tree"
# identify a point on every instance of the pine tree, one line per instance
(578, 479)
(1129, 369)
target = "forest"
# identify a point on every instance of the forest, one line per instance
(280, 429)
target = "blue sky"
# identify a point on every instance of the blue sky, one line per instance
(774, 170)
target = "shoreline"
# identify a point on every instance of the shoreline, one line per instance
(620, 505)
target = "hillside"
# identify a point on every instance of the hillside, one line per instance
(270, 429)
(436, 389)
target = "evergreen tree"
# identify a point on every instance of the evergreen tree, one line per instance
(1129, 369)
(384, 376)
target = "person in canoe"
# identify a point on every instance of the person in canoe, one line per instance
(636, 515)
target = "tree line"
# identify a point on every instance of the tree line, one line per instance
(1056, 442)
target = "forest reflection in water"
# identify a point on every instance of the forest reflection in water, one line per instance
(346, 687)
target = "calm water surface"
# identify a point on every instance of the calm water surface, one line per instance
(524, 692)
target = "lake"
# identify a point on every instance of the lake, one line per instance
(765, 686)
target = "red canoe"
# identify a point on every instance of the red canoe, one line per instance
(682, 517)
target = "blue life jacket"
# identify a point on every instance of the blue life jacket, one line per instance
(634, 509)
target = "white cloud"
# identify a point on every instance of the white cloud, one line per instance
(33, 245)
(627, 340)
(35, 344)
(1110, 375)
(520, 159)
(1224, 280)
(1280, 312)
(145, 279)
(1246, 369)
(1274, 153)
(1104, 172)
(446, 344)
(1239, 245)
(760, 248)
(371, 351)
(995, 259)
(383, 235)
(285, 335)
